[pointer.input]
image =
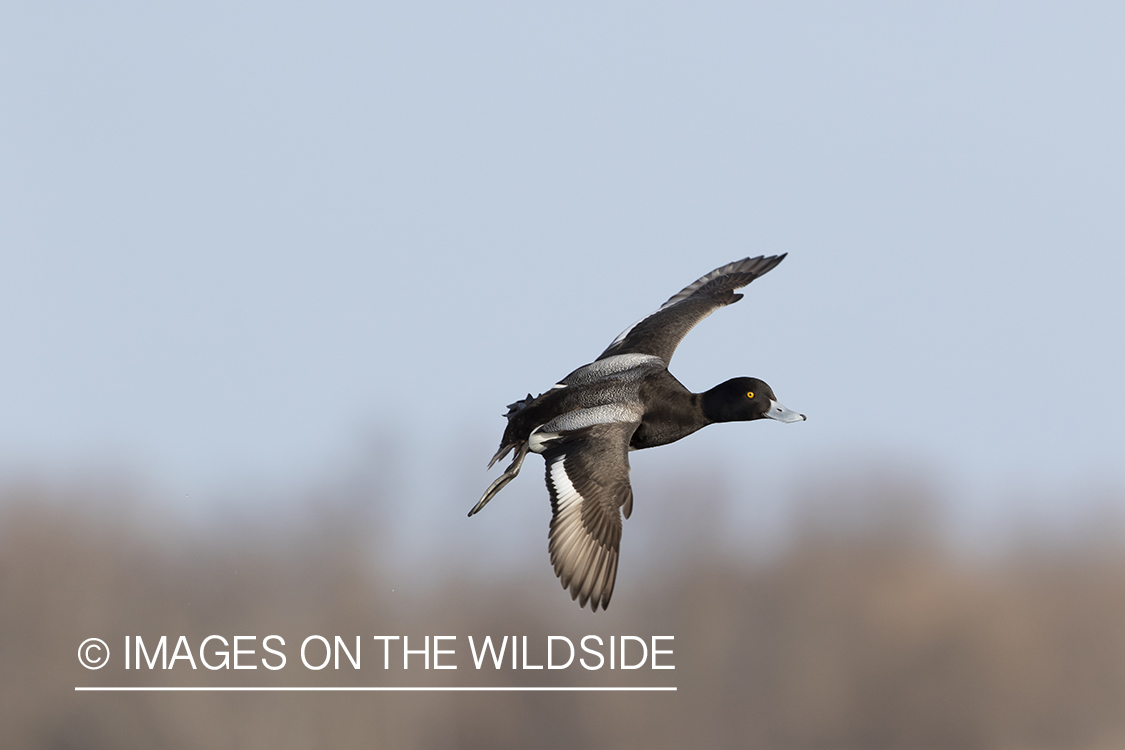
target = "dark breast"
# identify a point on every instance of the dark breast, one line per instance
(671, 412)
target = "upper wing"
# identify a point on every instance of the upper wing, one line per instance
(660, 333)
(588, 478)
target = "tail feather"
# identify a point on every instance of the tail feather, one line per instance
(518, 406)
(509, 442)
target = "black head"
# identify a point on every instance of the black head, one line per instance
(743, 399)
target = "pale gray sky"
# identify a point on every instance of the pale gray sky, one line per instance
(239, 239)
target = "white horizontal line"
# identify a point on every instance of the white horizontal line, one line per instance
(291, 689)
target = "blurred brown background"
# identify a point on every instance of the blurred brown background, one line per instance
(869, 627)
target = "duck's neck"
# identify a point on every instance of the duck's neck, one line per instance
(676, 415)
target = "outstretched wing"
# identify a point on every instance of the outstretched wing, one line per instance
(660, 333)
(588, 478)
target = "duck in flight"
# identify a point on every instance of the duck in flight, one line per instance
(586, 424)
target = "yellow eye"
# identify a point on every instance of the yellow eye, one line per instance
(749, 394)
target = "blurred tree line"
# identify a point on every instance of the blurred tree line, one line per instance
(867, 629)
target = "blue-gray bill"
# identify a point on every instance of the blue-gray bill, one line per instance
(782, 414)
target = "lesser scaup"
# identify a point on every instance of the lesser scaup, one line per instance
(626, 399)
